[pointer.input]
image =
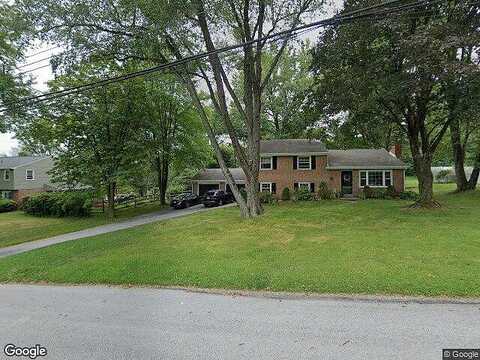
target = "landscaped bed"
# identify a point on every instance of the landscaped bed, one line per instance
(370, 247)
(17, 227)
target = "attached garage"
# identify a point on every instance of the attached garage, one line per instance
(213, 179)
(203, 188)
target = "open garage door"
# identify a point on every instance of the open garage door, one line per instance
(203, 188)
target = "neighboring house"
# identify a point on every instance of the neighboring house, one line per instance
(450, 176)
(299, 163)
(22, 176)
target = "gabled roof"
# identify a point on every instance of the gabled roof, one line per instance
(363, 159)
(12, 162)
(217, 175)
(291, 147)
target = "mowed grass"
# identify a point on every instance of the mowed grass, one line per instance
(17, 227)
(369, 247)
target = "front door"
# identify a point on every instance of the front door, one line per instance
(347, 182)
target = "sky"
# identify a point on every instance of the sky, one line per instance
(40, 76)
(8, 144)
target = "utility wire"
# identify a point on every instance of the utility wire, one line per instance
(347, 17)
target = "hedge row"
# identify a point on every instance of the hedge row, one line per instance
(7, 205)
(59, 204)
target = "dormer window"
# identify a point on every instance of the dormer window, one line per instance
(6, 175)
(29, 174)
(266, 163)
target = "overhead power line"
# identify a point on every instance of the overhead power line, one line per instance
(42, 52)
(346, 17)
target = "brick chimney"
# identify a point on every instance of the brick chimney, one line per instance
(396, 150)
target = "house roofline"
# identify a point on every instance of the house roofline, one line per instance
(26, 164)
(387, 167)
(296, 153)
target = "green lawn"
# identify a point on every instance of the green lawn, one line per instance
(370, 247)
(17, 227)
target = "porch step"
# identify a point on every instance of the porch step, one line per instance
(349, 198)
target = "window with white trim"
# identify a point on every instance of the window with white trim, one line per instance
(29, 174)
(266, 163)
(6, 175)
(304, 185)
(266, 187)
(388, 178)
(304, 162)
(376, 178)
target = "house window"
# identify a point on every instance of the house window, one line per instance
(6, 195)
(304, 162)
(29, 174)
(304, 185)
(376, 178)
(388, 178)
(266, 163)
(363, 178)
(6, 175)
(266, 187)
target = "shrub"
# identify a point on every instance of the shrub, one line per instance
(266, 197)
(286, 194)
(391, 193)
(324, 193)
(7, 205)
(369, 193)
(59, 204)
(303, 194)
(408, 195)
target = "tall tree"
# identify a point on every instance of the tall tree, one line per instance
(173, 132)
(392, 67)
(12, 46)
(151, 31)
(93, 136)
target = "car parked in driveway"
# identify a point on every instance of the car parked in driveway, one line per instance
(184, 200)
(216, 198)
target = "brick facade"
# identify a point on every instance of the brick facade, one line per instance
(286, 176)
(18, 195)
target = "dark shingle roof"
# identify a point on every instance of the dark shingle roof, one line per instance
(291, 146)
(363, 159)
(217, 175)
(11, 162)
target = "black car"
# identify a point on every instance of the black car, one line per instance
(184, 200)
(216, 198)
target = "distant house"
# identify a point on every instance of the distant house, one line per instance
(300, 163)
(22, 176)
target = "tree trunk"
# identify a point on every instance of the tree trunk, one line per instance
(162, 179)
(473, 181)
(458, 155)
(421, 149)
(111, 199)
(425, 181)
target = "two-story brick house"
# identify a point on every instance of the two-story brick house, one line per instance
(297, 163)
(22, 176)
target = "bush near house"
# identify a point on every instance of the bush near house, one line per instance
(286, 194)
(267, 198)
(303, 194)
(7, 205)
(60, 204)
(388, 194)
(324, 193)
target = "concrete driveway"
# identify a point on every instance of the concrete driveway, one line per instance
(140, 323)
(136, 221)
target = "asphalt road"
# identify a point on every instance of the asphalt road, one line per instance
(103, 229)
(113, 323)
